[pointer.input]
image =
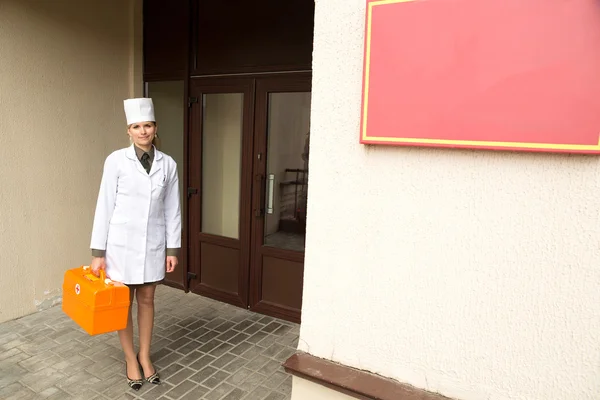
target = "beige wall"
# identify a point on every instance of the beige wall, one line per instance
(471, 273)
(65, 67)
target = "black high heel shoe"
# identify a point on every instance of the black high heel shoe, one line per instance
(135, 384)
(154, 378)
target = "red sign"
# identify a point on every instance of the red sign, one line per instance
(495, 74)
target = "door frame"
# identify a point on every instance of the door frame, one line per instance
(250, 243)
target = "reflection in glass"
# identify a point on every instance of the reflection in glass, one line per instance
(169, 112)
(287, 170)
(221, 163)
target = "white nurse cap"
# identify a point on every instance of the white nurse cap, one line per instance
(139, 110)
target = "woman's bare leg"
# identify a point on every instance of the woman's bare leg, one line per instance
(126, 338)
(145, 301)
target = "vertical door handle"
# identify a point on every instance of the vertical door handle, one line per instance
(270, 188)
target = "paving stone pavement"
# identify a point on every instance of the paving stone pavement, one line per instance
(203, 349)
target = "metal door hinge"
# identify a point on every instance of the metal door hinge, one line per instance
(191, 191)
(192, 100)
(190, 276)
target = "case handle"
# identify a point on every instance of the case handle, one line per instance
(102, 275)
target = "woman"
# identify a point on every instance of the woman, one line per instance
(137, 229)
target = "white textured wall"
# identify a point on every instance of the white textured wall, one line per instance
(65, 67)
(475, 274)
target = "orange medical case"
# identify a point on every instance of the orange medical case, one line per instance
(96, 304)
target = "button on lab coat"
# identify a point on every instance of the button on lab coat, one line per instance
(137, 216)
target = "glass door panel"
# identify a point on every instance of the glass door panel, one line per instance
(221, 163)
(287, 170)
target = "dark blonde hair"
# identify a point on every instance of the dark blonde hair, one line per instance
(129, 126)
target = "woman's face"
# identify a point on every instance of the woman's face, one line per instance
(142, 133)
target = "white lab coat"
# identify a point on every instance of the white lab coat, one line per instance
(137, 216)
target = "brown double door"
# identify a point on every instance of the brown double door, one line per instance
(248, 176)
